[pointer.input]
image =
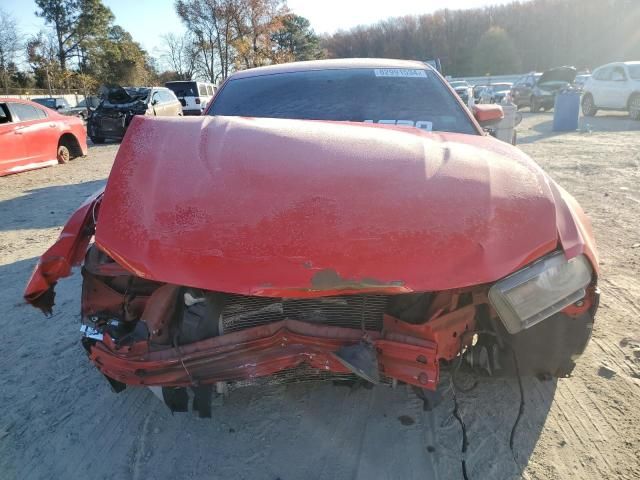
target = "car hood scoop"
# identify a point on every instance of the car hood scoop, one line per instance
(302, 208)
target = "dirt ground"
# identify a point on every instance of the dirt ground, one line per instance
(61, 420)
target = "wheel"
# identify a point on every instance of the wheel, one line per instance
(534, 106)
(97, 140)
(63, 154)
(588, 106)
(634, 106)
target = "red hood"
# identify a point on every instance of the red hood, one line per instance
(287, 207)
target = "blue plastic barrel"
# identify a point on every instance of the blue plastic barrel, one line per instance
(566, 111)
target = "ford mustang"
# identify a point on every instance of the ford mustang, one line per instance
(331, 220)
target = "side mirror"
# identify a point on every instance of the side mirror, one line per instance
(59, 107)
(488, 114)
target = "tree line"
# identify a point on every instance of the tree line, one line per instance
(82, 47)
(513, 38)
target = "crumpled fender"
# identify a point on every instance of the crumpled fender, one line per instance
(574, 227)
(68, 251)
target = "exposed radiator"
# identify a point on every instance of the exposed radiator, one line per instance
(348, 311)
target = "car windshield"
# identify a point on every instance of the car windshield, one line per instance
(47, 102)
(183, 89)
(634, 71)
(390, 96)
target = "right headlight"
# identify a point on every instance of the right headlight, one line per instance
(539, 290)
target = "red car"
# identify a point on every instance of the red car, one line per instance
(339, 219)
(32, 136)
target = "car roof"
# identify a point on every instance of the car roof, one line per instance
(334, 64)
(17, 100)
(188, 81)
(614, 64)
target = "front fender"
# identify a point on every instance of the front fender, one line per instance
(66, 252)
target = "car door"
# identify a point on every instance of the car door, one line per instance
(172, 105)
(522, 91)
(599, 87)
(12, 146)
(38, 132)
(618, 91)
(156, 102)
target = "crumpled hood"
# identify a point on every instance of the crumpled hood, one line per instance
(558, 74)
(289, 207)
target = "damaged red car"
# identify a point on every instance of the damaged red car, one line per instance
(338, 219)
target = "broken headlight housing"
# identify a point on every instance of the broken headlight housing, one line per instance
(539, 290)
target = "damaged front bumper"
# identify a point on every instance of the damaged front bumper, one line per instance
(262, 351)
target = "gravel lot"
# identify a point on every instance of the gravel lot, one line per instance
(61, 420)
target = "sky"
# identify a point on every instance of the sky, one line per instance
(147, 20)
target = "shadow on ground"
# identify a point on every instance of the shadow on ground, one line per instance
(45, 207)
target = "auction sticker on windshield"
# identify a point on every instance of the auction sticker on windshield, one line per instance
(399, 72)
(424, 125)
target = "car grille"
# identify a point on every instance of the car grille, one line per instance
(302, 374)
(349, 311)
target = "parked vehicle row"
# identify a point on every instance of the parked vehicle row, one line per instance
(47, 130)
(614, 87)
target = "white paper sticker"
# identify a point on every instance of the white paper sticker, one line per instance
(400, 72)
(422, 124)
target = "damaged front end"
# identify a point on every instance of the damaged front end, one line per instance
(246, 259)
(142, 332)
(113, 115)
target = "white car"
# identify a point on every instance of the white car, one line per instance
(615, 86)
(194, 96)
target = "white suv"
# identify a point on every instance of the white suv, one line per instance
(615, 86)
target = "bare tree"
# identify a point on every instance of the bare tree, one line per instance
(10, 45)
(210, 22)
(182, 54)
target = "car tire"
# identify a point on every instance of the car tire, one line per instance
(97, 140)
(634, 106)
(534, 106)
(63, 155)
(588, 106)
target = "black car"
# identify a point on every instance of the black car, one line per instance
(61, 106)
(538, 90)
(112, 117)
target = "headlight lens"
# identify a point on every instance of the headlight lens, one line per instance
(538, 291)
